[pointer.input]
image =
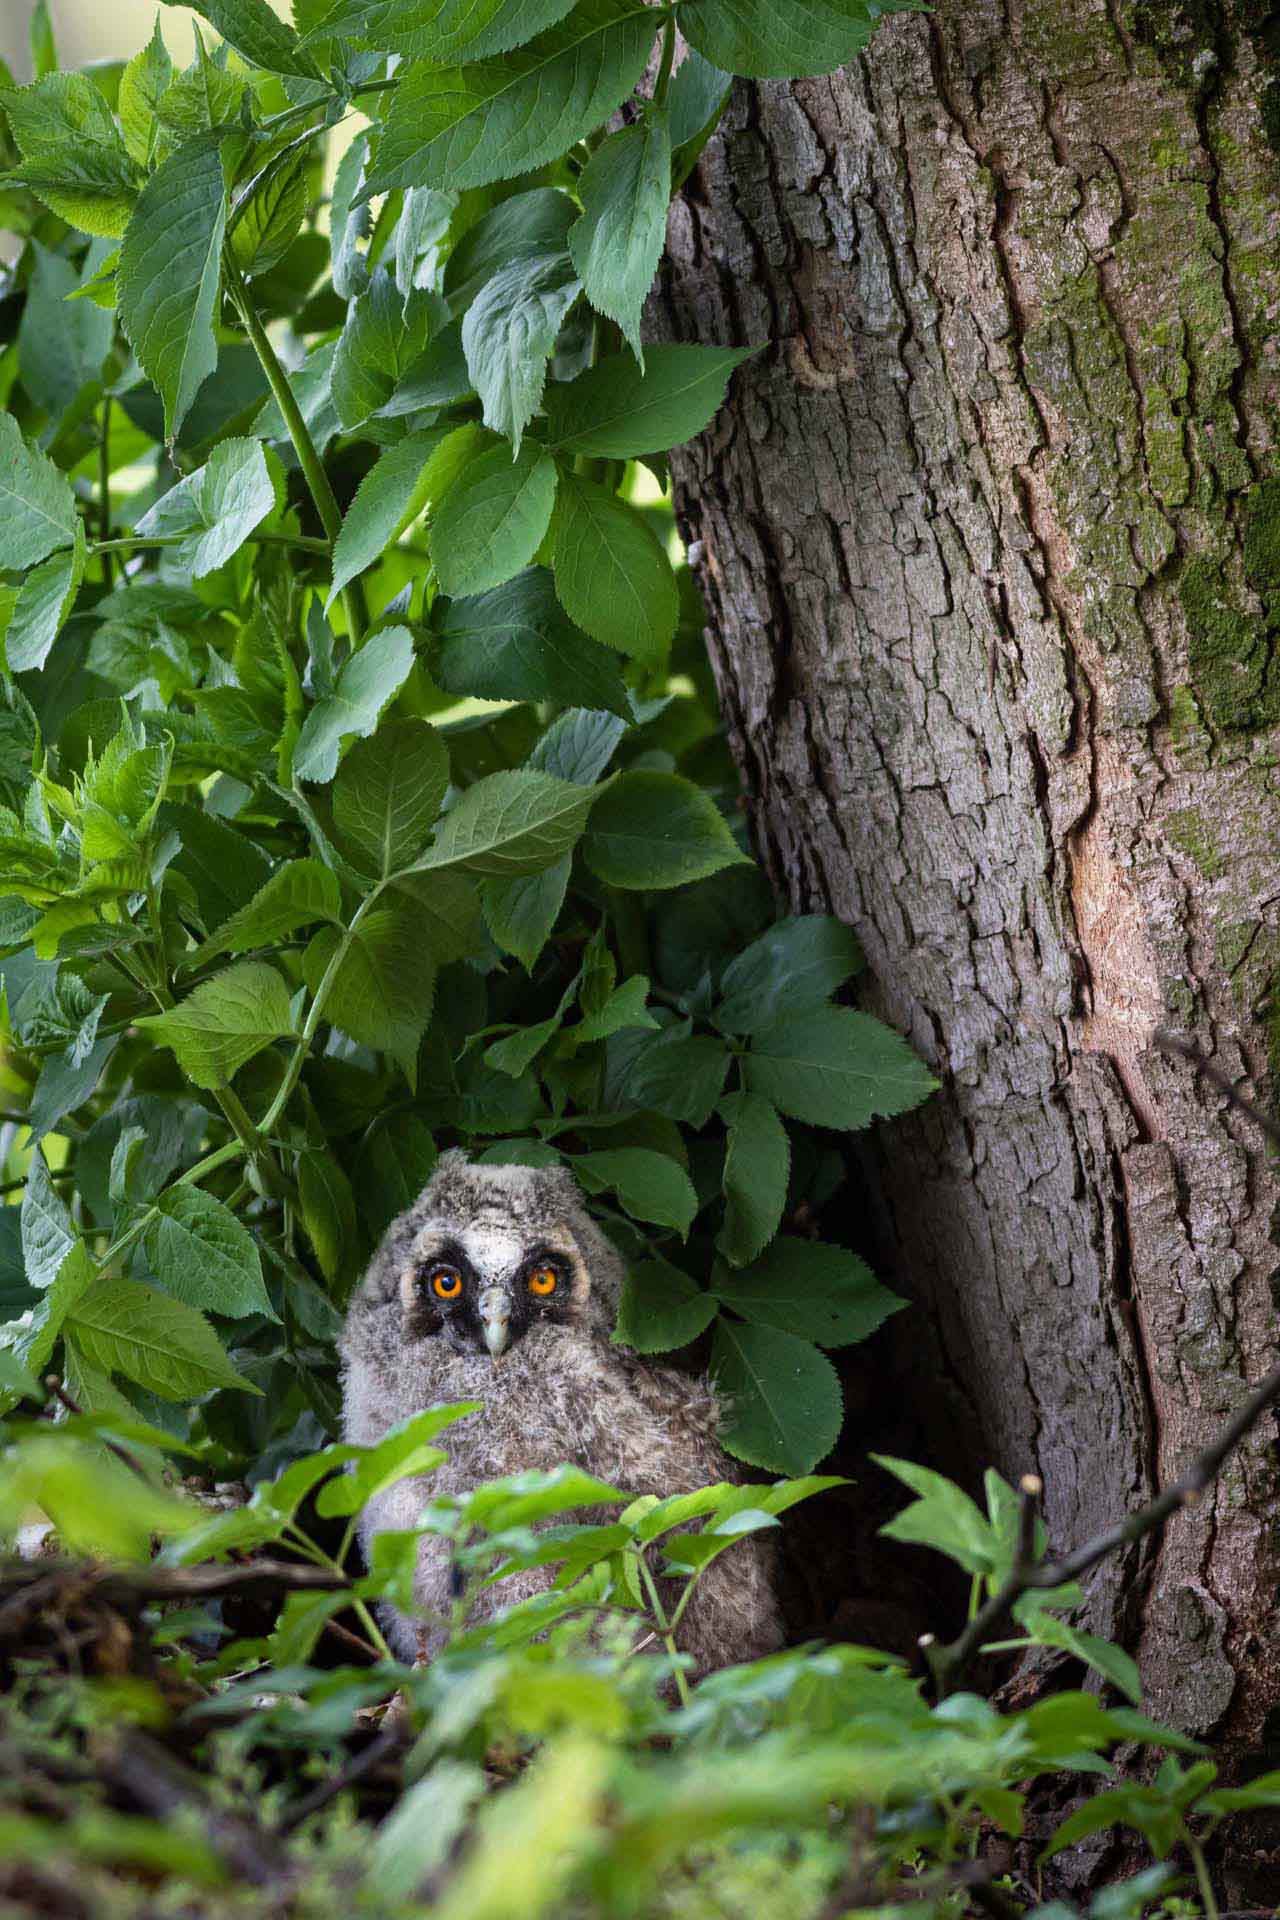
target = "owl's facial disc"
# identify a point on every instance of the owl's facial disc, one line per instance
(488, 1287)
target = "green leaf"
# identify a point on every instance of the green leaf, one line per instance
(618, 242)
(62, 342)
(508, 334)
(224, 1022)
(469, 126)
(349, 224)
(525, 225)
(297, 894)
(393, 1164)
(658, 830)
(803, 1286)
(782, 1397)
(612, 573)
(516, 643)
(44, 53)
(37, 506)
(627, 1006)
(942, 1517)
(661, 1308)
(422, 229)
(834, 1068)
(142, 86)
(512, 823)
(169, 274)
(617, 410)
(200, 1253)
(218, 506)
(676, 1073)
(405, 1451)
(388, 793)
(269, 221)
(43, 1322)
(649, 1185)
(163, 1344)
(368, 682)
(384, 983)
(383, 337)
(757, 1168)
(442, 30)
(697, 99)
(45, 600)
(388, 499)
(253, 29)
(579, 745)
(48, 1234)
(1046, 1630)
(521, 913)
(492, 520)
(446, 909)
(328, 1211)
(763, 40)
(72, 154)
(794, 966)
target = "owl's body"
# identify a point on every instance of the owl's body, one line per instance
(530, 1288)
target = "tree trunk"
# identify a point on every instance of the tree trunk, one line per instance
(992, 555)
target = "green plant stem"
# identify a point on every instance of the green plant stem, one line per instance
(218, 1158)
(306, 1546)
(304, 446)
(127, 542)
(665, 1628)
(104, 490)
(1207, 1895)
(314, 1012)
(662, 84)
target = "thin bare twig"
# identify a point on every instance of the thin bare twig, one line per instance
(383, 1746)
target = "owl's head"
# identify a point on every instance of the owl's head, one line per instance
(488, 1253)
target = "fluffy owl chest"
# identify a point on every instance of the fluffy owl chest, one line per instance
(545, 1402)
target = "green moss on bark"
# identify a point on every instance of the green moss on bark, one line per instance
(1189, 831)
(1233, 651)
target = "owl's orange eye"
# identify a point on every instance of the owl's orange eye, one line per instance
(446, 1283)
(543, 1281)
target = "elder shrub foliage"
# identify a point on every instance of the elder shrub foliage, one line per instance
(362, 794)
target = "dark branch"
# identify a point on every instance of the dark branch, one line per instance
(949, 1663)
(383, 1747)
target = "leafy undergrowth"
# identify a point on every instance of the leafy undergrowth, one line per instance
(217, 1728)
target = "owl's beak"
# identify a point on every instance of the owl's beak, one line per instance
(495, 1318)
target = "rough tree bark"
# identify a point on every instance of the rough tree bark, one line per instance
(991, 545)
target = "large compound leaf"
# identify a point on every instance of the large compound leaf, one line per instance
(650, 1186)
(797, 963)
(384, 336)
(469, 126)
(617, 244)
(661, 1308)
(168, 278)
(382, 984)
(443, 30)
